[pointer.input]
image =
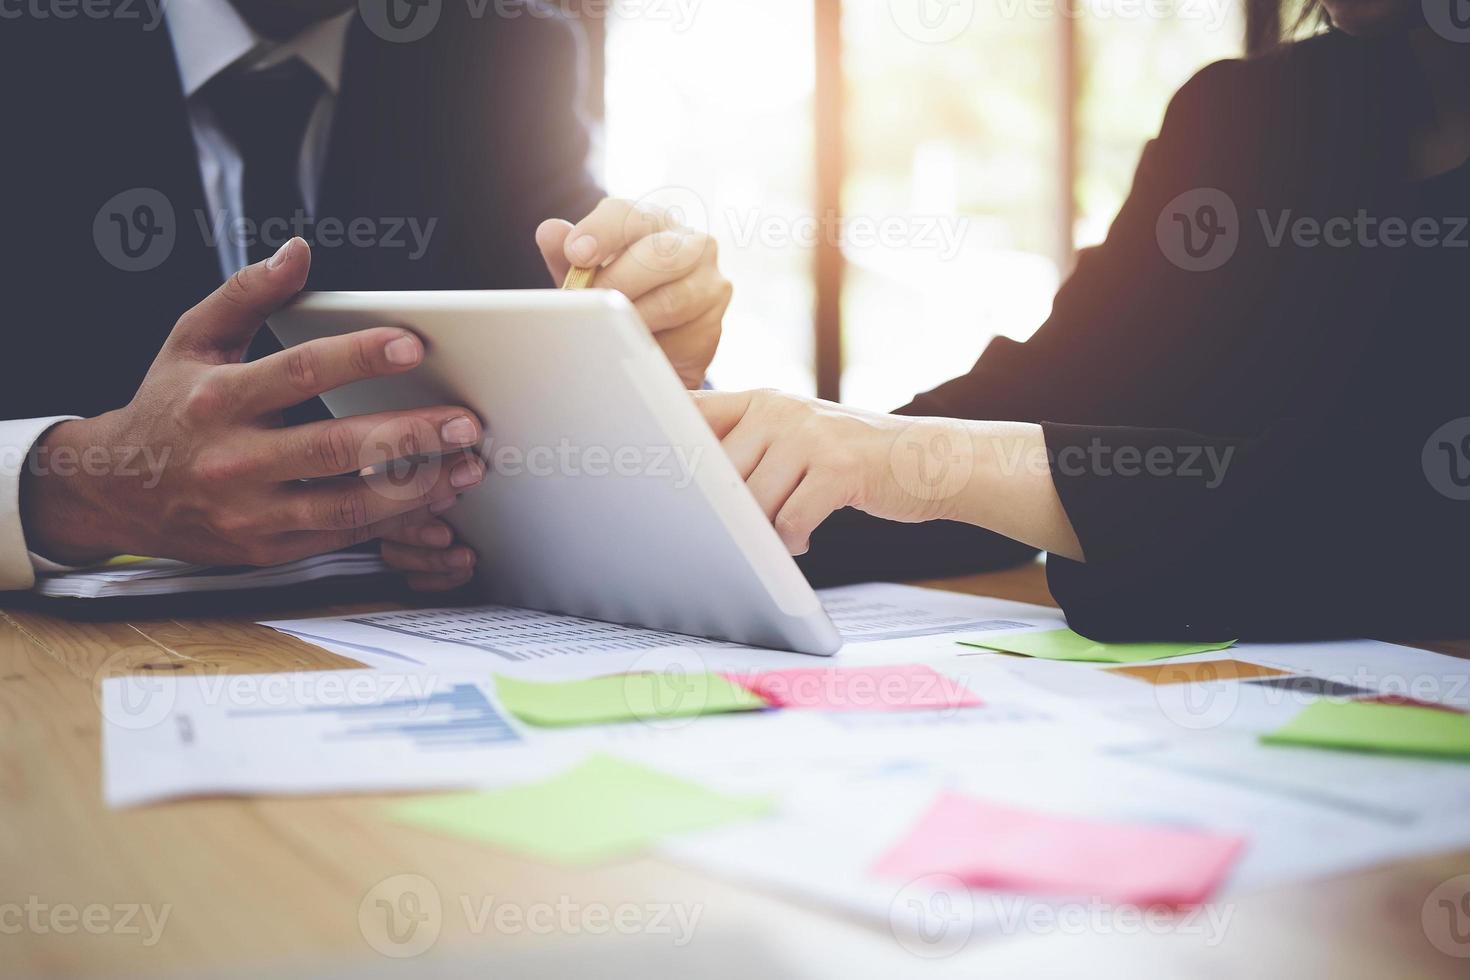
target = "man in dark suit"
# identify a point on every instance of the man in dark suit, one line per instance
(152, 152)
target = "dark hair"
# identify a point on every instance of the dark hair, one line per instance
(1272, 23)
(1310, 16)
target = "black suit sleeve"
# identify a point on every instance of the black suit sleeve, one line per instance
(854, 547)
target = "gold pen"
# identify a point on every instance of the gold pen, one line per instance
(579, 278)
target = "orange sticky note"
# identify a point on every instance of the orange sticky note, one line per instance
(1196, 671)
(991, 845)
(904, 687)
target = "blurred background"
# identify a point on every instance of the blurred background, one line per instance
(892, 182)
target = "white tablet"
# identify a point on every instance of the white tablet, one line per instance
(607, 496)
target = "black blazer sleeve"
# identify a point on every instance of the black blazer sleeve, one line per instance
(1111, 320)
(1188, 414)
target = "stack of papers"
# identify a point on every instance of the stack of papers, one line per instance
(134, 577)
(910, 771)
(880, 624)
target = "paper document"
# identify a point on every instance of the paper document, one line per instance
(818, 850)
(307, 732)
(1390, 791)
(880, 623)
(880, 612)
(1165, 753)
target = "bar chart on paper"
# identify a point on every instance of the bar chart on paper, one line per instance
(331, 731)
(461, 715)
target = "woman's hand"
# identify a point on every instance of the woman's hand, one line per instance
(804, 459)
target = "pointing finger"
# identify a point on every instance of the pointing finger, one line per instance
(723, 410)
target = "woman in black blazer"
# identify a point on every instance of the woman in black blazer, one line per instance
(1249, 412)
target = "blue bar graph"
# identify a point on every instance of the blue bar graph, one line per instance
(458, 717)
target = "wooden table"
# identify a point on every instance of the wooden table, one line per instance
(251, 884)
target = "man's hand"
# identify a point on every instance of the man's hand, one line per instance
(669, 272)
(197, 467)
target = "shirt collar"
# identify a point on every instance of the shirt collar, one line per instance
(210, 36)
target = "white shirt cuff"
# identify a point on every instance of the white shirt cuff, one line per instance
(18, 566)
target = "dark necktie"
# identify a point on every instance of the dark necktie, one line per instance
(265, 114)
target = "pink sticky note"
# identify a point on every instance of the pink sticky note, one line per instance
(905, 687)
(989, 845)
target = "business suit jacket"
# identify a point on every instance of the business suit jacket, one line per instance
(1265, 358)
(475, 127)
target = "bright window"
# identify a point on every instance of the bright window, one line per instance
(984, 142)
(715, 116)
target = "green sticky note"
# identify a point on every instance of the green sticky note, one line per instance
(1367, 727)
(603, 808)
(1067, 645)
(626, 697)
